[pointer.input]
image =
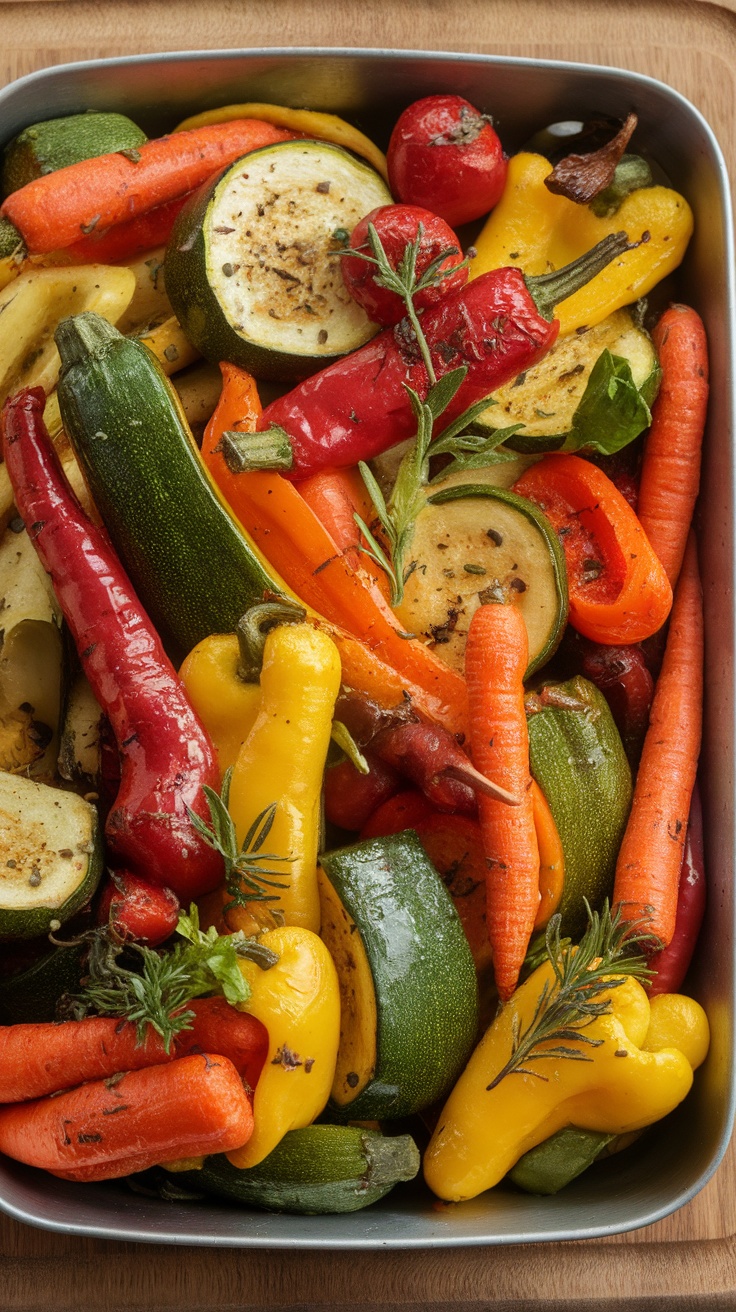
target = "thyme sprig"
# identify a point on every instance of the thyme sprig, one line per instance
(398, 515)
(158, 993)
(248, 870)
(583, 978)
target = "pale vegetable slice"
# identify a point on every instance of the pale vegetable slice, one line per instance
(54, 856)
(31, 660)
(79, 750)
(149, 303)
(470, 540)
(32, 307)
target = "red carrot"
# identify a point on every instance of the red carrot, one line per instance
(189, 1108)
(672, 963)
(496, 658)
(648, 868)
(670, 473)
(59, 209)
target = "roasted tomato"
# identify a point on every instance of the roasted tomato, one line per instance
(445, 155)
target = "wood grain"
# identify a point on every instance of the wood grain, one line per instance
(687, 1261)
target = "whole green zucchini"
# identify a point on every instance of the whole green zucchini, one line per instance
(579, 762)
(320, 1169)
(195, 572)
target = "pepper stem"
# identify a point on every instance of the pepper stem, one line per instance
(246, 452)
(548, 289)
(251, 630)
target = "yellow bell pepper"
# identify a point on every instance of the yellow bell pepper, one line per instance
(283, 761)
(224, 702)
(624, 1084)
(312, 123)
(537, 231)
(298, 1001)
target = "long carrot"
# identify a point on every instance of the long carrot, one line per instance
(496, 657)
(189, 1108)
(335, 496)
(376, 657)
(57, 210)
(670, 473)
(648, 868)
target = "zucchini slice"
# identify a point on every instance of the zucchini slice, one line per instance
(472, 536)
(52, 860)
(57, 142)
(249, 268)
(409, 1046)
(550, 399)
(314, 1171)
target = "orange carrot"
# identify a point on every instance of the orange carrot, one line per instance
(43, 1058)
(376, 658)
(336, 496)
(190, 1108)
(55, 211)
(670, 473)
(648, 868)
(496, 658)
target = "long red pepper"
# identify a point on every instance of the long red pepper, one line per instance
(358, 407)
(166, 756)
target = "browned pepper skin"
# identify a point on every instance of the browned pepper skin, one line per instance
(358, 407)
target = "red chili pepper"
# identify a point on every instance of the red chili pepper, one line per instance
(622, 676)
(619, 592)
(166, 754)
(138, 909)
(124, 241)
(672, 963)
(358, 407)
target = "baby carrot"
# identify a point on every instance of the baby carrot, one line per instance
(496, 658)
(190, 1108)
(648, 868)
(670, 473)
(43, 1058)
(59, 209)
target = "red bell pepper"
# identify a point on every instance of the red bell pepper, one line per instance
(358, 407)
(619, 592)
(166, 754)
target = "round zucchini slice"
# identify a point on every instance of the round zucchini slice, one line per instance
(252, 270)
(52, 860)
(472, 537)
(408, 991)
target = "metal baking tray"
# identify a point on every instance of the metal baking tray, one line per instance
(674, 1160)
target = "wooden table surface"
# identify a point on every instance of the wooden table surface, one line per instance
(687, 1261)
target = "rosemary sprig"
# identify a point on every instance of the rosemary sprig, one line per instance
(248, 872)
(469, 451)
(584, 976)
(158, 993)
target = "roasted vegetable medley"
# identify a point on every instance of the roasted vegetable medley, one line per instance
(351, 658)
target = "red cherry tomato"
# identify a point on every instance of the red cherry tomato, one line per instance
(135, 909)
(397, 226)
(444, 154)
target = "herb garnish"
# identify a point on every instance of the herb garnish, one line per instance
(468, 450)
(248, 871)
(584, 976)
(159, 992)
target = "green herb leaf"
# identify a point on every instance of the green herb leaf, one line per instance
(612, 410)
(248, 871)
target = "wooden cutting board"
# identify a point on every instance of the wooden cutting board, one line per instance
(687, 1261)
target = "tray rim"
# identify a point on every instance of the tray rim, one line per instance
(331, 53)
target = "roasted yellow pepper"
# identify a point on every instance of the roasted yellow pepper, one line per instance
(226, 704)
(283, 760)
(298, 1001)
(538, 232)
(624, 1083)
(311, 123)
